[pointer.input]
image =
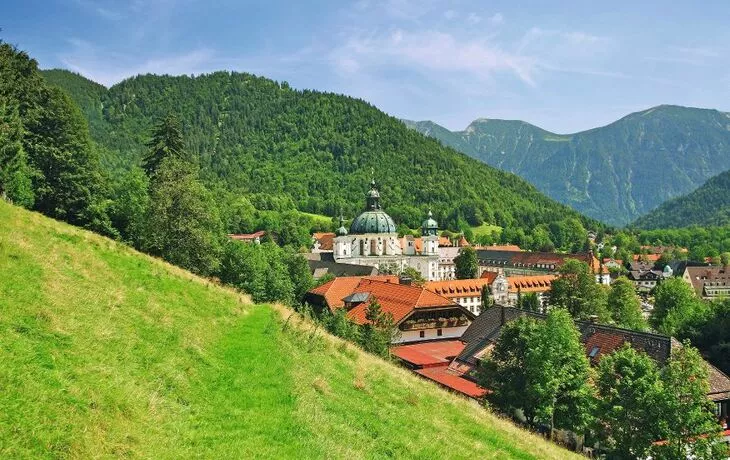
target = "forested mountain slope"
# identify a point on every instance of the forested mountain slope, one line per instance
(709, 205)
(615, 173)
(109, 353)
(262, 138)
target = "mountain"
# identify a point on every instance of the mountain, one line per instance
(707, 206)
(107, 352)
(260, 138)
(615, 173)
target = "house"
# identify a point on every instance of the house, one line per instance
(447, 268)
(521, 285)
(645, 277)
(418, 313)
(709, 282)
(322, 241)
(598, 340)
(612, 263)
(467, 292)
(248, 237)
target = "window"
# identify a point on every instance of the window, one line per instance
(594, 352)
(422, 334)
(439, 332)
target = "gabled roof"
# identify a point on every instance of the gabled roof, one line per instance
(445, 242)
(400, 300)
(541, 260)
(417, 243)
(526, 284)
(700, 276)
(334, 291)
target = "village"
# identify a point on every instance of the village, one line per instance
(446, 325)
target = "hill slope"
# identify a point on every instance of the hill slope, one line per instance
(257, 136)
(615, 173)
(107, 352)
(709, 205)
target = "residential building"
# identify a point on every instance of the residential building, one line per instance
(322, 242)
(419, 314)
(645, 277)
(709, 282)
(519, 263)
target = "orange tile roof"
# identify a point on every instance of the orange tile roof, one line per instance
(246, 236)
(397, 299)
(648, 257)
(444, 377)
(429, 354)
(458, 288)
(325, 239)
(489, 275)
(337, 289)
(606, 343)
(505, 247)
(537, 283)
(417, 243)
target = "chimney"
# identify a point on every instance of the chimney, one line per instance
(405, 280)
(593, 319)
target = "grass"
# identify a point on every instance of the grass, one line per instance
(105, 352)
(486, 229)
(318, 218)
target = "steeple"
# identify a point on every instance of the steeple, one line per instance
(429, 227)
(342, 231)
(372, 198)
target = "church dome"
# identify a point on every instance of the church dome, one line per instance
(373, 222)
(373, 219)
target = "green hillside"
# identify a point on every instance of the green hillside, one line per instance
(109, 353)
(260, 138)
(709, 205)
(615, 173)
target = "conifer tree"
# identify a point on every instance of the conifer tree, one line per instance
(166, 142)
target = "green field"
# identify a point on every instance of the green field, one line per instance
(319, 218)
(109, 353)
(486, 229)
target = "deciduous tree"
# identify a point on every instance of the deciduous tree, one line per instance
(466, 264)
(624, 305)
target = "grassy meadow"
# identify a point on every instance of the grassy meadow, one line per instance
(105, 352)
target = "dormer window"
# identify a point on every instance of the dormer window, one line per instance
(594, 352)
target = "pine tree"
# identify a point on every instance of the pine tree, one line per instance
(167, 142)
(15, 173)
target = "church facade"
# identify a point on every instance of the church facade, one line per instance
(373, 240)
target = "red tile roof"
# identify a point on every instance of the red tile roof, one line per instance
(247, 236)
(458, 288)
(489, 276)
(417, 243)
(647, 257)
(606, 343)
(325, 239)
(446, 378)
(429, 354)
(525, 284)
(397, 299)
(444, 242)
(337, 289)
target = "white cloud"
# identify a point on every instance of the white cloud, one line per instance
(473, 18)
(433, 51)
(450, 14)
(496, 18)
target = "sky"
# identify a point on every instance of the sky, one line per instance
(565, 66)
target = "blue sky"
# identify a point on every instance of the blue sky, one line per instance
(562, 65)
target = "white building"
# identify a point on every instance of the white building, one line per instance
(373, 240)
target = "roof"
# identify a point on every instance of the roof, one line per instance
(429, 354)
(502, 247)
(719, 382)
(458, 288)
(445, 377)
(647, 257)
(491, 276)
(701, 276)
(525, 284)
(334, 291)
(373, 221)
(417, 243)
(325, 240)
(246, 236)
(444, 241)
(397, 299)
(541, 260)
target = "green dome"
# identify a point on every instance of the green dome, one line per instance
(429, 226)
(373, 222)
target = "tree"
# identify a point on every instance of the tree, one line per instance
(129, 208)
(299, 274)
(629, 399)
(577, 291)
(625, 306)
(693, 429)
(15, 173)
(487, 299)
(182, 224)
(675, 304)
(725, 259)
(166, 142)
(379, 331)
(466, 264)
(414, 275)
(541, 369)
(529, 302)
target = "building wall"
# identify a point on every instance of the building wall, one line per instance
(427, 266)
(431, 334)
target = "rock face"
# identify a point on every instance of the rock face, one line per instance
(615, 173)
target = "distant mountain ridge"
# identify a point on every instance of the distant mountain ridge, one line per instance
(614, 173)
(708, 205)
